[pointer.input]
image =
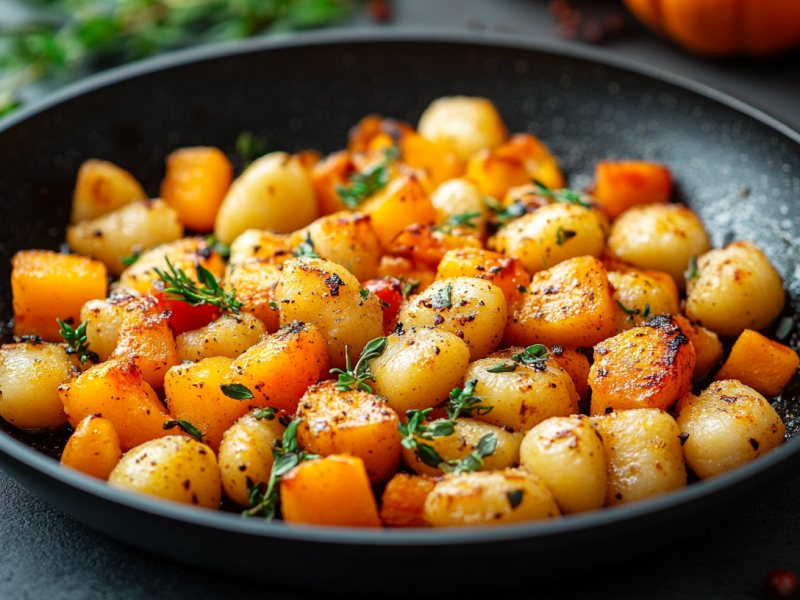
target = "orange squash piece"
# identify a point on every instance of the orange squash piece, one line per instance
(620, 185)
(403, 501)
(645, 367)
(401, 203)
(326, 176)
(405, 269)
(427, 245)
(506, 272)
(760, 363)
(116, 390)
(103, 187)
(707, 347)
(576, 365)
(332, 491)
(195, 185)
(193, 394)
(93, 448)
(47, 286)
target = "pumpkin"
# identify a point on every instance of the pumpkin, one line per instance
(723, 27)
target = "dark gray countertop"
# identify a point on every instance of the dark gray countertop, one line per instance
(45, 554)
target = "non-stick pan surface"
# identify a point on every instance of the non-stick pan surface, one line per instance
(738, 168)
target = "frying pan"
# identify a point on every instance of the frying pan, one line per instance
(737, 167)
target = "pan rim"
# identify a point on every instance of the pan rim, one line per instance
(30, 458)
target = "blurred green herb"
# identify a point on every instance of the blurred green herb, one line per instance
(224, 250)
(368, 182)
(249, 147)
(67, 38)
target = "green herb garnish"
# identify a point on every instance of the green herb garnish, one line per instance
(443, 298)
(129, 260)
(633, 312)
(305, 249)
(784, 328)
(185, 426)
(368, 182)
(563, 196)
(564, 235)
(249, 147)
(459, 220)
(463, 402)
(237, 391)
(522, 289)
(264, 500)
(267, 413)
(224, 250)
(205, 291)
(502, 368)
(355, 378)
(532, 355)
(511, 212)
(692, 271)
(409, 287)
(515, 498)
(415, 429)
(473, 461)
(76, 342)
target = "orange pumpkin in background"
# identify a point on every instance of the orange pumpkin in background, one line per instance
(721, 28)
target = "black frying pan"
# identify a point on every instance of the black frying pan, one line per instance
(738, 168)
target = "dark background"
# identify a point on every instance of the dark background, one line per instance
(44, 554)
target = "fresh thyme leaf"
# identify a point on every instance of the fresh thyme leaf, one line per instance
(224, 250)
(129, 260)
(368, 182)
(267, 413)
(415, 429)
(185, 426)
(459, 220)
(355, 378)
(628, 311)
(429, 456)
(522, 289)
(443, 298)
(364, 293)
(249, 147)
(496, 270)
(463, 402)
(493, 204)
(305, 249)
(473, 461)
(205, 291)
(273, 305)
(502, 368)
(646, 312)
(76, 342)
(564, 196)
(237, 391)
(515, 498)
(784, 328)
(564, 235)
(511, 212)
(692, 271)
(544, 262)
(410, 287)
(534, 355)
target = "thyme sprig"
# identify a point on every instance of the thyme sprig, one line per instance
(249, 147)
(265, 499)
(368, 182)
(76, 342)
(463, 402)
(563, 196)
(224, 250)
(458, 220)
(634, 312)
(185, 426)
(415, 430)
(237, 391)
(68, 36)
(357, 377)
(474, 460)
(206, 291)
(534, 356)
(305, 249)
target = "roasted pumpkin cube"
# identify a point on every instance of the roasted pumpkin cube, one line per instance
(354, 422)
(403, 501)
(195, 185)
(646, 367)
(327, 175)
(760, 363)
(194, 394)
(577, 365)
(279, 369)
(334, 490)
(401, 203)
(505, 272)
(116, 390)
(93, 448)
(620, 185)
(427, 245)
(47, 286)
(707, 347)
(568, 305)
(103, 187)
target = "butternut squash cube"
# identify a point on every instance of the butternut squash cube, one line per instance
(760, 363)
(401, 203)
(620, 185)
(195, 185)
(332, 491)
(93, 448)
(403, 501)
(47, 286)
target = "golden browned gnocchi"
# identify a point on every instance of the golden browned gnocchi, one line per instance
(727, 425)
(430, 309)
(472, 309)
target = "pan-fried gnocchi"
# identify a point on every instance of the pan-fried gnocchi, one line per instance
(430, 309)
